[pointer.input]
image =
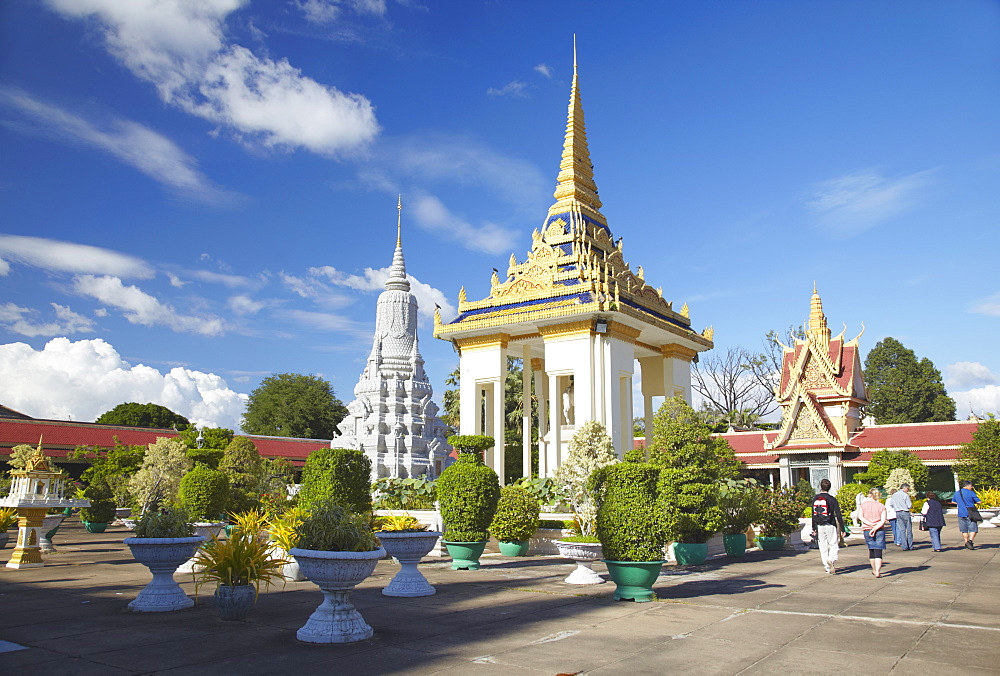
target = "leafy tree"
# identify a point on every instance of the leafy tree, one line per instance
(883, 462)
(980, 461)
(111, 469)
(244, 467)
(159, 478)
(143, 415)
(693, 465)
(898, 477)
(293, 405)
(902, 389)
(19, 456)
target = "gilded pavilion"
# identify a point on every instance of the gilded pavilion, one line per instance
(579, 317)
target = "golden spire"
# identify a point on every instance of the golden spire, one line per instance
(817, 320)
(575, 189)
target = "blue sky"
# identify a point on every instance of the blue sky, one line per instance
(197, 194)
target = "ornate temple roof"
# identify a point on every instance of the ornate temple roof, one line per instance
(574, 267)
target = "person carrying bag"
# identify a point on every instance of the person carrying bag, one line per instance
(968, 516)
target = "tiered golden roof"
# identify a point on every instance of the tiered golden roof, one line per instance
(574, 266)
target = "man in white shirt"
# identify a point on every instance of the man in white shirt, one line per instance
(900, 501)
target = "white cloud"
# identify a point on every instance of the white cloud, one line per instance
(4, 268)
(54, 255)
(374, 280)
(544, 70)
(244, 305)
(988, 306)
(431, 214)
(968, 374)
(327, 322)
(83, 379)
(978, 400)
(16, 320)
(315, 289)
(326, 11)
(130, 142)
(852, 203)
(231, 281)
(138, 307)
(515, 88)
(181, 48)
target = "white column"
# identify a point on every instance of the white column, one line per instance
(784, 471)
(526, 412)
(488, 411)
(499, 425)
(542, 390)
(555, 425)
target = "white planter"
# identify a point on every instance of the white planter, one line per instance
(336, 620)
(408, 549)
(206, 530)
(162, 556)
(989, 515)
(583, 554)
(51, 521)
(290, 570)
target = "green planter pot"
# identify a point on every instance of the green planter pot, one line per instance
(634, 579)
(735, 544)
(94, 527)
(465, 555)
(690, 553)
(771, 543)
(514, 547)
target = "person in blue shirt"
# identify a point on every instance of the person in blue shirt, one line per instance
(965, 498)
(902, 504)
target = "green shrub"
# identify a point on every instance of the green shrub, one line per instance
(410, 493)
(100, 511)
(516, 517)
(204, 492)
(164, 524)
(553, 523)
(847, 496)
(206, 456)
(779, 511)
(468, 492)
(470, 443)
(739, 501)
(629, 524)
(332, 527)
(340, 474)
(545, 489)
(634, 455)
(918, 505)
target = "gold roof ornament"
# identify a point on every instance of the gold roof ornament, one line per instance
(37, 462)
(818, 329)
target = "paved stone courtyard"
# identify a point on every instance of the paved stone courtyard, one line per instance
(767, 613)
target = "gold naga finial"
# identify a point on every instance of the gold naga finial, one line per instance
(640, 273)
(461, 295)
(575, 187)
(437, 315)
(685, 311)
(513, 260)
(709, 333)
(854, 341)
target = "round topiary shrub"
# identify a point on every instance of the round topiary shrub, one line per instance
(100, 511)
(847, 495)
(204, 493)
(468, 492)
(629, 525)
(516, 517)
(340, 474)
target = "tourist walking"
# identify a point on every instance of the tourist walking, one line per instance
(933, 519)
(902, 504)
(968, 525)
(873, 521)
(827, 523)
(890, 515)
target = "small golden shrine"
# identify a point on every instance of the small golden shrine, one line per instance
(579, 316)
(33, 491)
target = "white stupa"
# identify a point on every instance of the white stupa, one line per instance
(392, 418)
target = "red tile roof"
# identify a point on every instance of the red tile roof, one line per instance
(60, 437)
(915, 435)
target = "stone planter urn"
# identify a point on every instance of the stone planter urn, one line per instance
(45, 535)
(583, 554)
(234, 602)
(408, 548)
(162, 556)
(988, 515)
(336, 620)
(206, 530)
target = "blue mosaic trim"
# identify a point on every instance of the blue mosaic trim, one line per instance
(526, 305)
(568, 216)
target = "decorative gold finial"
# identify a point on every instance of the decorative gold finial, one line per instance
(461, 295)
(817, 320)
(37, 460)
(575, 189)
(685, 311)
(437, 316)
(709, 333)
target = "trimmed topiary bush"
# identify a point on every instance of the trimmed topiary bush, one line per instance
(468, 492)
(204, 493)
(340, 474)
(780, 509)
(516, 517)
(100, 511)
(847, 496)
(629, 524)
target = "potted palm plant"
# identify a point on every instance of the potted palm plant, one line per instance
(163, 540)
(283, 530)
(740, 504)
(630, 526)
(515, 520)
(468, 492)
(8, 517)
(336, 550)
(406, 540)
(238, 565)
